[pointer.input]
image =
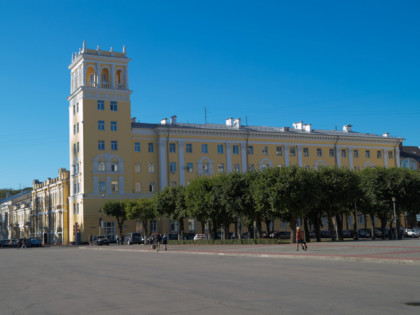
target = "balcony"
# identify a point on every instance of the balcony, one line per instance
(105, 85)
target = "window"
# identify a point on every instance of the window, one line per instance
(114, 186)
(172, 148)
(101, 105)
(77, 107)
(318, 152)
(236, 168)
(205, 166)
(188, 148)
(137, 167)
(77, 128)
(101, 125)
(292, 151)
(356, 153)
(152, 187)
(114, 145)
(279, 151)
(221, 168)
(305, 152)
(251, 167)
(77, 208)
(138, 187)
(172, 167)
(204, 148)
(151, 168)
(114, 126)
(74, 129)
(101, 145)
(361, 219)
(344, 153)
(74, 208)
(390, 155)
(74, 109)
(332, 152)
(220, 148)
(367, 153)
(235, 149)
(114, 106)
(102, 187)
(265, 150)
(101, 166)
(357, 168)
(136, 146)
(250, 150)
(189, 167)
(150, 147)
(77, 146)
(379, 154)
(114, 166)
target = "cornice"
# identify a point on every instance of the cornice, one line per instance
(94, 93)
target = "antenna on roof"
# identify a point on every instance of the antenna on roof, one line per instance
(205, 114)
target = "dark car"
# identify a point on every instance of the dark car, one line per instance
(101, 240)
(325, 234)
(34, 242)
(189, 236)
(364, 233)
(347, 234)
(5, 243)
(173, 236)
(133, 238)
(281, 235)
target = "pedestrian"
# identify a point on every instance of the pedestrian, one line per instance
(116, 238)
(158, 241)
(23, 243)
(300, 239)
(165, 241)
(90, 239)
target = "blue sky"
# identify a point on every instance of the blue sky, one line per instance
(272, 63)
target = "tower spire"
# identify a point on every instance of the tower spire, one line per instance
(84, 47)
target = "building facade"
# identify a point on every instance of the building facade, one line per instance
(410, 157)
(50, 209)
(113, 157)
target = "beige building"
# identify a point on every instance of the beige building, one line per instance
(50, 209)
(113, 157)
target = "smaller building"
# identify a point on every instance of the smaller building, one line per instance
(50, 209)
(20, 216)
(410, 157)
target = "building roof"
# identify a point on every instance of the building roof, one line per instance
(410, 152)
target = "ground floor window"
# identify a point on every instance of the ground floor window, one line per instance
(110, 230)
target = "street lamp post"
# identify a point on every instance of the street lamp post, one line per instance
(395, 218)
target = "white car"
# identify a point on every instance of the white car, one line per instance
(200, 237)
(410, 233)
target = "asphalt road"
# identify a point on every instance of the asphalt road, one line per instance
(107, 280)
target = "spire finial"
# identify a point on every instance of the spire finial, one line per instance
(124, 51)
(84, 47)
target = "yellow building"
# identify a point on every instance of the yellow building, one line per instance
(50, 209)
(113, 157)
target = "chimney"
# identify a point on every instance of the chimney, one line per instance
(133, 119)
(173, 120)
(298, 125)
(386, 134)
(307, 127)
(347, 128)
(237, 123)
(229, 122)
(164, 121)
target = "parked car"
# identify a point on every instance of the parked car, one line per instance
(173, 236)
(189, 236)
(34, 242)
(325, 234)
(200, 237)
(280, 235)
(5, 243)
(245, 235)
(101, 240)
(347, 234)
(410, 233)
(133, 238)
(364, 233)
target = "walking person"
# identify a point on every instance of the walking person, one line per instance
(158, 241)
(165, 241)
(90, 240)
(300, 239)
(116, 239)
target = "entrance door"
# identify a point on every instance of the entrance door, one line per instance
(45, 238)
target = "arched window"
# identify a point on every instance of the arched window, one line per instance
(119, 84)
(319, 163)
(105, 78)
(90, 77)
(409, 163)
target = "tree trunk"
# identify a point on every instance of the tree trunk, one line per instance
(331, 227)
(226, 226)
(181, 229)
(383, 227)
(339, 219)
(267, 225)
(306, 227)
(372, 219)
(259, 227)
(215, 231)
(391, 230)
(399, 227)
(293, 227)
(355, 232)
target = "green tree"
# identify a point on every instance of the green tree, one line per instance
(115, 209)
(142, 210)
(171, 202)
